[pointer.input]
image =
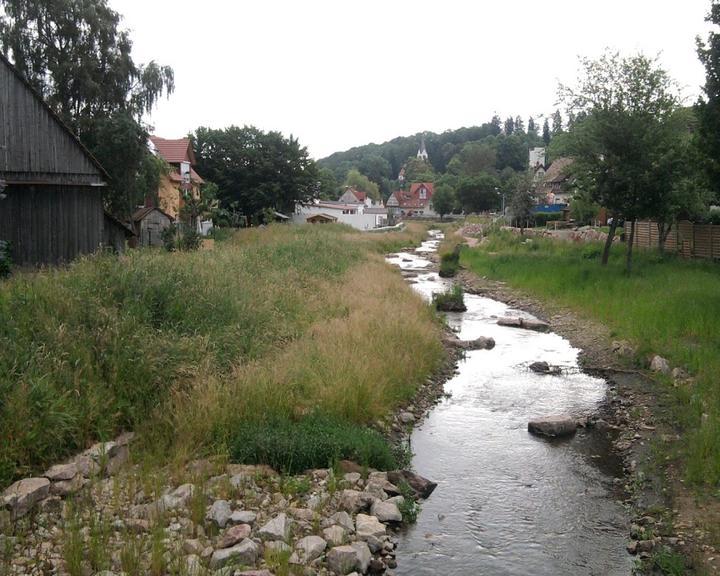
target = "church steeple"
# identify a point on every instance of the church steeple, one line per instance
(422, 151)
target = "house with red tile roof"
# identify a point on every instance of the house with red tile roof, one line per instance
(182, 178)
(354, 196)
(417, 201)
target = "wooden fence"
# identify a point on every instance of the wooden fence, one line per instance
(687, 238)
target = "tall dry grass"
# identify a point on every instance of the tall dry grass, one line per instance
(280, 321)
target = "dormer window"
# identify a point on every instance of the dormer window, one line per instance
(423, 193)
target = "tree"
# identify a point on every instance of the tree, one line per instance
(328, 187)
(509, 126)
(521, 200)
(257, 170)
(496, 125)
(512, 151)
(443, 200)
(417, 170)
(519, 125)
(546, 132)
(478, 193)
(557, 126)
(473, 159)
(362, 183)
(621, 144)
(532, 127)
(76, 57)
(708, 109)
(376, 168)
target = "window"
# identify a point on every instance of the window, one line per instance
(423, 193)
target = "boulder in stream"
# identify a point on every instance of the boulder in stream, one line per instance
(545, 368)
(481, 343)
(553, 426)
(527, 324)
(422, 486)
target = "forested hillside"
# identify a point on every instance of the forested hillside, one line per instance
(495, 152)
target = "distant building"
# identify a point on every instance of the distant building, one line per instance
(353, 196)
(422, 151)
(536, 159)
(556, 187)
(178, 153)
(353, 214)
(414, 202)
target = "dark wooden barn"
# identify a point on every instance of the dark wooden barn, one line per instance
(51, 207)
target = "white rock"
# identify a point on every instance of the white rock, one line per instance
(342, 559)
(343, 519)
(277, 529)
(335, 535)
(363, 555)
(62, 472)
(193, 565)
(368, 526)
(21, 496)
(243, 517)
(659, 364)
(310, 547)
(386, 511)
(219, 513)
(407, 417)
(244, 553)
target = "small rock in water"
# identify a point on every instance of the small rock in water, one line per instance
(407, 417)
(553, 426)
(545, 368)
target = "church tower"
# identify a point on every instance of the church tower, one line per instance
(422, 151)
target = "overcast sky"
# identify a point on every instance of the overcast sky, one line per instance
(338, 74)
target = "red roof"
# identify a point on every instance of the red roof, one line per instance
(174, 151)
(411, 198)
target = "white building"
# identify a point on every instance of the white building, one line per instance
(357, 215)
(536, 158)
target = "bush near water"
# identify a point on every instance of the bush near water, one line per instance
(190, 349)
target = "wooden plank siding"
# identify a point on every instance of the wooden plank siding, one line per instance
(689, 239)
(35, 147)
(53, 210)
(51, 224)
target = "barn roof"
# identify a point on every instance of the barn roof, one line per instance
(13, 173)
(141, 213)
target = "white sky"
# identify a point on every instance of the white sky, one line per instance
(338, 74)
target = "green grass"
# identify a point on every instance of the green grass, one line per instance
(669, 307)
(313, 442)
(452, 300)
(183, 346)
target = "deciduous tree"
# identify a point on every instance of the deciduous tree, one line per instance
(76, 56)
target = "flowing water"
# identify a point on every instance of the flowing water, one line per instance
(508, 502)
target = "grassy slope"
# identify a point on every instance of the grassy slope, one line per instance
(272, 324)
(669, 307)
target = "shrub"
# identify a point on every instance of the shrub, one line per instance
(314, 442)
(190, 240)
(450, 263)
(451, 301)
(169, 236)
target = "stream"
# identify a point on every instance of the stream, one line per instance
(508, 502)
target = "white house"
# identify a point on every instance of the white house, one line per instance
(357, 215)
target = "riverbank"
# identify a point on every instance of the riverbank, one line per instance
(642, 407)
(296, 347)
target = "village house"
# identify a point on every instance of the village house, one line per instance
(354, 214)
(417, 201)
(51, 187)
(181, 179)
(353, 196)
(555, 187)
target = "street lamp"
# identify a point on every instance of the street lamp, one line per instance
(497, 191)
